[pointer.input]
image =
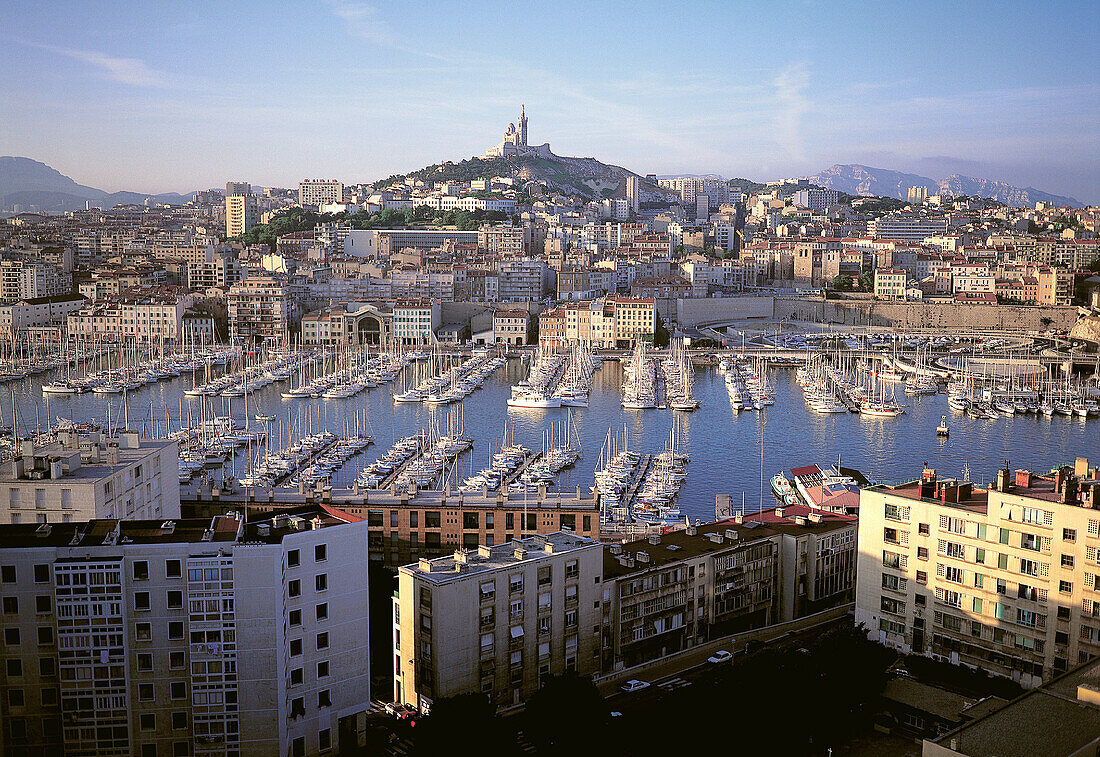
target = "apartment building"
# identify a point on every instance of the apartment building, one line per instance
(613, 322)
(185, 637)
(910, 228)
(1004, 580)
(815, 199)
(505, 239)
(511, 326)
(416, 321)
(317, 192)
(222, 272)
(890, 283)
(143, 316)
(497, 620)
(21, 280)
(678, 590)
(17, 317)
(83, 477)
(241, 214)
(523, 280)
(261, 308)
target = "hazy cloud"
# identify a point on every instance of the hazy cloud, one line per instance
(790, 86)
(131, 71)
(364, 21)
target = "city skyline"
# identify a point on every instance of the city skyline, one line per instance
(348, 89)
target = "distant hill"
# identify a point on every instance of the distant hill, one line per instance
(866, 181)
(31, 183)
(584, 177)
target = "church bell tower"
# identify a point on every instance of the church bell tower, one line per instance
(522, 130)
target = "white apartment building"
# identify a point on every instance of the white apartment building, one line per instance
(318, 192)
(1004, 580)
(415, 322)
(523, 280)
(497, 620)
(85, 477)
(185, 637)
(17, 317)
(815, 199)
(912, 229)
(261, 308)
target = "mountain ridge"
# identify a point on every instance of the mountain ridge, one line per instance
(25, 181)
(861, 180)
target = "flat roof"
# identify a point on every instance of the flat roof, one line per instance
(678, 545)
(487, 559)
(1049, 720)
(89, 470)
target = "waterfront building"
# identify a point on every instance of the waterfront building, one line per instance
(146, 315)
(185, 637)
(415, 321)
(22, 280)
(498, 620)
(318, 192)
(83, 477)
(355, 323)
(1003, 579)
(511, 326)
(17, 317)
(261, 308)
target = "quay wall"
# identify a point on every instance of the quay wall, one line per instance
(926, 315)
(700, 311)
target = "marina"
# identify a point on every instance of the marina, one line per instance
(718, 442)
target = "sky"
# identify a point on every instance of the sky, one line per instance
(159, 97)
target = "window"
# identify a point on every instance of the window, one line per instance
(175, 630)
(571, 569)
(1030, 541)
(180, 749)
(295, 618)
(178, 690)
(172, 569)
(141, 570)
(322, 611)
(431, 519)
(294, 588)
(297, 675)
(179, 721)
(145, 692)
(891, 605)
(176, 660)
(144, 631)
(175, 600)
(920, 600)
(1069, 534)
(45, 635)
(979, 556)
(953, 574)
(7, 574)
(141, 600)
(890, 581)
(545, 575)
(324, 739)
(295, 647)
(956, 551)
(1004, 535)
(42, 603)
(1063, 613)
(145, 662)
(322, 669)
(322, 640)
(293, 558)
(1065, 587)
(1029, 567)
(47, 666)
(1026, 618)
(297, 707)
(320, 553)
(471, 520)
(1067, 561)
(922, 577)
(321, 581)
(298, 746)
(978, 605)
(148, 721)
(414, 519)
(922, 529)
(324, 699)
(10, 605)
(11, 636)
(922, 553)
(41, 574)
(14, 667)
(515, 583)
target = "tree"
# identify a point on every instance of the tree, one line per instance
(867, 281)
(660, 334)
(463, 725)
(566, 715)
(842, 283)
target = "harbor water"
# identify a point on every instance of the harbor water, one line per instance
(735, 454)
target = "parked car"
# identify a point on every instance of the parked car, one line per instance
(720, 656)
(398, 710)
(634, 685)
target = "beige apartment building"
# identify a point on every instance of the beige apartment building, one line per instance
(86, 477)
(241, 214)
(261, 308)
(145, 317)
(497, 620)
(184, 637)
(1003, 580)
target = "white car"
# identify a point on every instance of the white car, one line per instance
(634, 685)
(720, 656)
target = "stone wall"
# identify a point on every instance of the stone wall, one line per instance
(926, 315)
(702, 311)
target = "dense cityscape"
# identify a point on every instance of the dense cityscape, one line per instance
(536, 454)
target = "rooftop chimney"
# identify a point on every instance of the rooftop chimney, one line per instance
(1023, 478)
(1081, 467)
(1003, 478)
(425, 565)
(779, 511)
(928, 474)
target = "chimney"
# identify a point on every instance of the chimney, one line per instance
(654, 539)
(731, 534)
(1003, 477)
(928, 474)
(739, 518)
(1081, 467)
(815, 517)
(27, 448)
(1023, 478)
(112, 455)
(425, 565)
(1070, 497)
(460, 557)
(690, 531)
(779, 511)
(484, 552)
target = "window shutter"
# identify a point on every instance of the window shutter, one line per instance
(903, 537)
(1048, 518)
(939, 569)
(1044, 569)
(1045, 545)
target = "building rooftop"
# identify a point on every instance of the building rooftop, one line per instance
(674, 546)
(1058, 718)
(486, 559)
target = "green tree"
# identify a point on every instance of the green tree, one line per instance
(463, 725)
(842, 283)
(867, 281)
(660, 335)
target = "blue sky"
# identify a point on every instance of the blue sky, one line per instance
(181, 96)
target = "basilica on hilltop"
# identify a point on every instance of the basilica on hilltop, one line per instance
(515, 142)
